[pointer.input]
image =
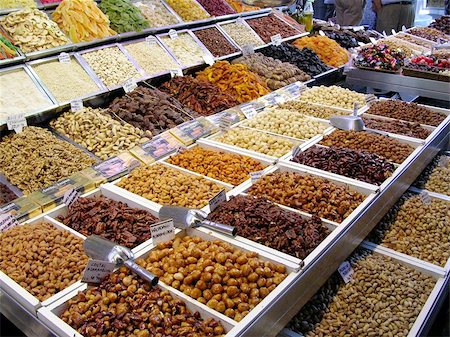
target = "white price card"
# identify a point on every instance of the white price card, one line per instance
(97, 270)
(7, 220)
(255, 176)
(209, 59)
(162, 231)
(321, 33)
(425, 197)
(151, 40)
(70, 197)
(225, 123)
(173, 34)
(217, 200)
(249, 111)
(16, 122)
(76, 105)
(248, 49)
(176, 72)
(346, 271)
(129, 85)
(276, 39)
(64, 58)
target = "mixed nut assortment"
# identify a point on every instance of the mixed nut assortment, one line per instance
(428, 33)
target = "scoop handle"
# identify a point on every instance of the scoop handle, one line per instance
(144, 273)
(219, 227)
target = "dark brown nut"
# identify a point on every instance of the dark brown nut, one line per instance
(270, 25)
(429, 33)
(307, 193)
(41, 258)
(200, 96)
(363, 166)
(232, 300)
(384, 146)
(125, 305)
(410, 112)
(6, 195)
(398, 127)
(228, 167)
(264, 222)
(384, 297)
(215, 42)
(110, 219)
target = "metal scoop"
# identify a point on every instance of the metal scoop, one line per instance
(349, 123)
(99, 248)
(190, 218)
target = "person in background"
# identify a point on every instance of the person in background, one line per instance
(349, 12)
(393, 14)
(329, 9)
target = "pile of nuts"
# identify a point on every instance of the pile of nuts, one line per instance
(185, 49)
(126, 305)
(217, 7)
(188, 10)
(149, 109)
(384, 146)
(410, 112)
(305, 59)
(307, 193)
(383, 298)
(333, 96)
(156, 14)
(276, 73)
(312, 110)
(436, 176)
(200, 96)
(442, 23)
(398, 127)
(328, 50)
(226, 76)
(227, 167)
(268, 26)
(415, 40)
(98, 132)
(266, 223)
(242, 35)
(168, 186)
(6, 195)
(65, 81)
(111, 65)
(32, 30)
(416, 229)
(215, 273)
(363, 166)
(152, 58)
(215, 42)
(287, 123)
(428, 33)
(257, 141)
(34, 158)
(110, 219)
(42, 258)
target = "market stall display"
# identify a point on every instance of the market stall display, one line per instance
(197, 95)
(225, 76)
(32, 30)
(380, 57)
(436, 176)
(185, 49)
(156, 14)
(327, 49)
(333, 96)
(242, 34)
(188, 10)
(34, 158)
(215, 42)
(123, 16)
(415, 40)
(275, 73)
(216, 7)
(270, 25)
(82, 20)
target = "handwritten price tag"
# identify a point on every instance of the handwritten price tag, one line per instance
(248, 49)
(162, 231)
(70, 197)
(249, 111)
(76, 105)
(97, 270)
(255, 176)
(129, 85)
(7, 221)
(151, 40)
(425, 197)
(173, 34)
(16, 122)
(276, 39)
(176, 72)
(64, 58)
(346, 271)
(217, 200)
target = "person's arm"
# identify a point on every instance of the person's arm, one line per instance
(376, 5)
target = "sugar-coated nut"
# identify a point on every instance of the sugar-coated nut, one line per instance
(313, 110)
(215, 289)
(42, 258)
(185, 48)
(242, 35)
(333, 96)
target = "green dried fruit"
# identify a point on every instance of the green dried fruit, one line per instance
(123, 16)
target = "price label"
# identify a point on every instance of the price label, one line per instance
(97, 270)
(425, 197)
(370, 99)
(173, 34)
(176, 72)
(276, 39)
(372, 40)
(7, 221)
(217, 200)
(248, 49)
(255, 176)
(160, 146)
(225, 123)
(76, 105)
(444, 161)
(162, 231)
(295, 89)
(70, 197)
(129, 85)
(151, 40)
(321, 33)
(16, 122)
(249, 111)
(209, 59)
(346, 271)
(64, 58)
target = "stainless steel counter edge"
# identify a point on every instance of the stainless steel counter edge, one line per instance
(276, 315)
